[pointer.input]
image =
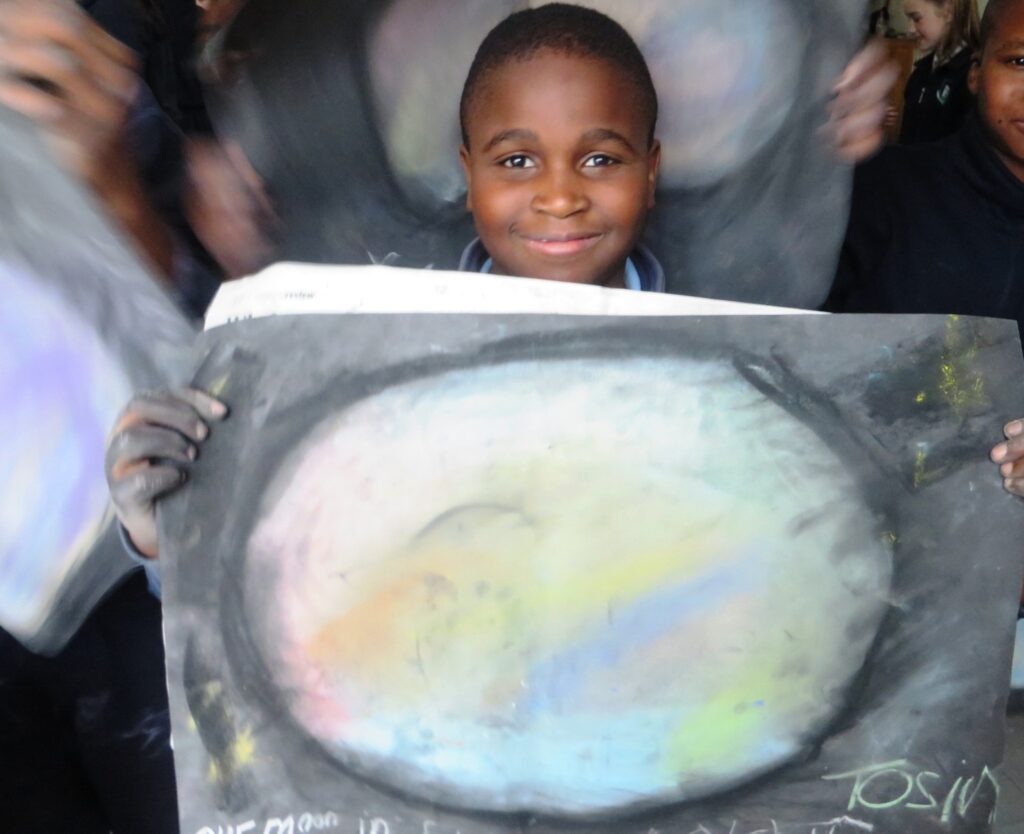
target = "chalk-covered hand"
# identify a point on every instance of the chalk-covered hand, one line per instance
(1010, 456)
(861, 102)
(154, 442)
(76, 82)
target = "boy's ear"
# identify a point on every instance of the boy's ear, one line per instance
(468, 173)
(972, 74)
(653, 167)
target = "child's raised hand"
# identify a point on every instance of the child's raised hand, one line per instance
(79, 85)
(153, 443)
(1010, 457)
(858, 111)
(76, 82)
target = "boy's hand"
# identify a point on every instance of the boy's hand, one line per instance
(153, 443)
(861, 101)
(1010, 457)
(76, 82)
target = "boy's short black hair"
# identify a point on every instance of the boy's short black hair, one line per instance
(990, 20)
(565, 29)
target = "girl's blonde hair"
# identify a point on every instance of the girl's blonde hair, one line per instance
(964, 28)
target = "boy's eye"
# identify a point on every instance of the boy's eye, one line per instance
(599, 160)
(519, 161)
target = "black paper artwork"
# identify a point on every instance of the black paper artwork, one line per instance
(481, 574)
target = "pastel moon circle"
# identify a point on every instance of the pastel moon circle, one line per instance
(568, 586)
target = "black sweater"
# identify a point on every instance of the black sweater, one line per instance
(937, 100)
(934, 228)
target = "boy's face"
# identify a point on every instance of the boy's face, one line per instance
(559, 169)
(997, 79)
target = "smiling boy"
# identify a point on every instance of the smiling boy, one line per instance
(998, 82)
(558, 117)
(997, 79)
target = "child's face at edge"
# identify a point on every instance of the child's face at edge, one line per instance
(559, 169)
(997, 79)
(931, 22)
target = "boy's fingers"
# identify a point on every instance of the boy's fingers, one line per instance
(1009, 450)
(162, 408)
(1015, 486)
(129, 448)
(209, 407)
(141, 489)
(1013, 469)
(1014, 428)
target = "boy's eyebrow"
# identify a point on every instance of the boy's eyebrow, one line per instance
(517, 134)
(604, 134)
(1016, 43)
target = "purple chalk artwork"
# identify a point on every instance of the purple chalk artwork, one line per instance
(82, 326)
(61, 389)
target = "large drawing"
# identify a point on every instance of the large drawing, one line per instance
(490, 573)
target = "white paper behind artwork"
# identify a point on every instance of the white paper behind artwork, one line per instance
(306, 289)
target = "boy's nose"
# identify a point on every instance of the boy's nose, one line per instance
(560, 195)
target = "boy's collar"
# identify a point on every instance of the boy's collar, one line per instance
(643, 272)
(631, 278)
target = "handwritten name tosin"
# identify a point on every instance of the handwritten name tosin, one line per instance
(898, 784)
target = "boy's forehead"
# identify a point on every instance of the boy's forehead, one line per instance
(1008, 25)
(547, 68)
(557, 86)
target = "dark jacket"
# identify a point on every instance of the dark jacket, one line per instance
(937, 99)
(935, 228)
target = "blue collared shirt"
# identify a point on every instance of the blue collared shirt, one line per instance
(643, 272)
